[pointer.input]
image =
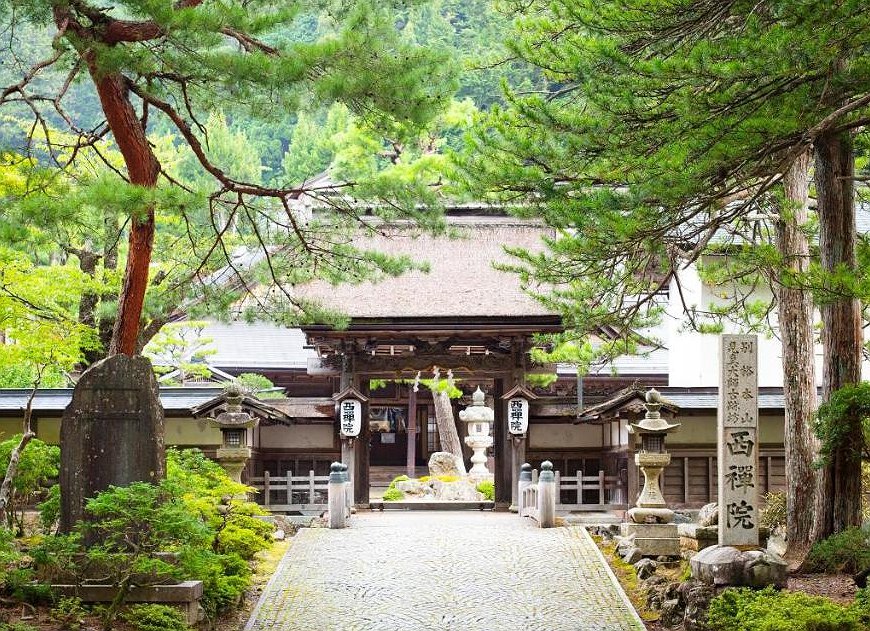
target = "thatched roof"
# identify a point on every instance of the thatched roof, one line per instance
(461, 281)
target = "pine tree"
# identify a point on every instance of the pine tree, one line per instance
(668, 123)
(180, 61)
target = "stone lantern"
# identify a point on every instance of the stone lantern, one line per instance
(234, 424)
(652, 459)
(650, 527)
(478, 418)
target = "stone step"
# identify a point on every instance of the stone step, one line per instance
(432, 505)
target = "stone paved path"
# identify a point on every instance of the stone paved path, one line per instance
(462, 571)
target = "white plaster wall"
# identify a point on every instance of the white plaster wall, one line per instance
(297, 436)
(694, 357)
(564, 436)
(188, 431)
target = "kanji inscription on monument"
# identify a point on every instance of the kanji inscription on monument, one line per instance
(738, 441)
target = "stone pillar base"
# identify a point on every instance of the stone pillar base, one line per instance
(727, 566)
(653, 540)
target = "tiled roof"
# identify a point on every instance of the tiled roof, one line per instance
(257, 345)
(56, 399)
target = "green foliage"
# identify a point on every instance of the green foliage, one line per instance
(398, 478)
(69, 613)
(17, 626)
(393, 495)
(832, 421)
(38, 465)
(49, 509)
(745, 609)
(258, 385)
(847, 551)
(155, 618)
(773, 515)
(487, 487)
(181, 347)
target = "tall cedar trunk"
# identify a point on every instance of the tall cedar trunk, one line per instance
(798, 362)
(838, 503)
(142, 169)
(447, 432)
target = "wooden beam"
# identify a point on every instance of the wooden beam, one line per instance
(412, 433)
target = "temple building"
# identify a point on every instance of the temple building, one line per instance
(474, 320)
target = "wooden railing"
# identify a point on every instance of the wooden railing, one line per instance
(302, 494)
(610, 491)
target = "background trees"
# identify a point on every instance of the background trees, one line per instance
(670, 128)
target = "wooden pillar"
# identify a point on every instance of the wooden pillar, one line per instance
(412, 433)
(518, 452)
(361, 447)
(501, 448)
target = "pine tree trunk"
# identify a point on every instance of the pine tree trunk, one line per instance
(142, 169)
(447, 432)
(798, 362)
(838, 503)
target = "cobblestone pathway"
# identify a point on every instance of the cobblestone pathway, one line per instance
(420, 571)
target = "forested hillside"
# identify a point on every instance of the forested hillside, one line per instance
(471, 32)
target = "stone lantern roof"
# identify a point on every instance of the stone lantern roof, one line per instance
(652, 422)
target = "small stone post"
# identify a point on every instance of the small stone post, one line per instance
(337, 496)
(348, 489)
(546, 496)
(525, 480)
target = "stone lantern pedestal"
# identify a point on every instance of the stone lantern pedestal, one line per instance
(650, 520)
(478, 419)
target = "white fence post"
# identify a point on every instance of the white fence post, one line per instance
(337, 496)
(546, 496)
(525, 480)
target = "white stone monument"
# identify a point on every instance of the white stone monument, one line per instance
(738, 560)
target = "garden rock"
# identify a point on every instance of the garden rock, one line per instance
(279, 535)
(728, 566)
(672, 614)
(415, 488)
(632, 555)
(461, 490)
(645, 568)
(444, 463)
(709, 515)
(656, 588)
(697, 597)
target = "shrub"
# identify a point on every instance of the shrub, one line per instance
(398, 478)
(69, 613)
(745, 609)
(393, 495)
(49, 510)
(425, 479)
(17, 626)
(774, 512)
(487, 487)
(38, 465)
(155, 618)
(847, 551)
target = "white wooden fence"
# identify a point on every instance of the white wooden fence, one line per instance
(301, 493)
(609, 490)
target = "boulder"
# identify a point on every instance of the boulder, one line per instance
(444, 463)
(697, 597)
(723, 566)
(461, 490)
(709, 515)
(415, 488)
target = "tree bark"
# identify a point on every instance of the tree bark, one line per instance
(838, 503)
(15, 457)
(446, 422)
(798, 361)
(143, 170)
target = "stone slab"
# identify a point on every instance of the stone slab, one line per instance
(186, 594)
(111, 432)
(653, 547)
(656, 531)
(431, 505)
